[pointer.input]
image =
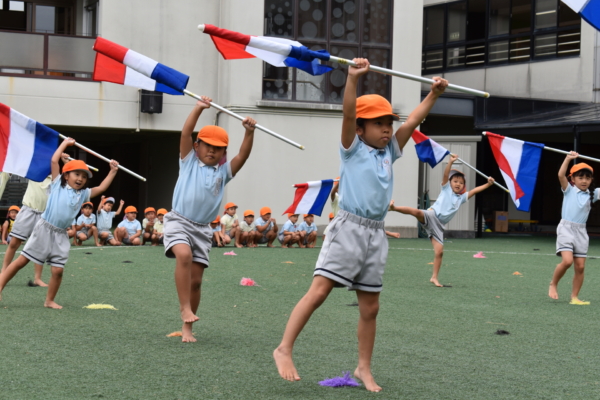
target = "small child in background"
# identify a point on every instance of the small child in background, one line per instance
(266, 227)
(572, 240)
(8, 224)
(246, 234)
(157, 235)
(288, 235)
(129, 230)
(105, 220)
(217, 235)
(148, 225)
(452, 196)
(229, 223)
(86, 225)
(308, 231)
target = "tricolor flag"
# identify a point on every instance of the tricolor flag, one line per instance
(310, 197)
(26, 146)
(589, 10)
(428, 150)
(276, 51)
(519, 162)
(133, 69)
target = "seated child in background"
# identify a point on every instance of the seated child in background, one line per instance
(86, 225)
(130, 229)
(452, 196)
(157, 235)
(217, 235)
(229, 223)
(288, 234)
(246, 234)
(148, 225)
(8, 224)
(105, 220)
(308, 231)
(266, 227)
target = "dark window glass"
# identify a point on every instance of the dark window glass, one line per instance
(566, 16)
(569, 43)
(434, 26)
(520, 21)
(455, 57)
(475, 55)
(499, 17)
(278, 18)
(545, 45)
(545, 13)
(520, 49)
(377, 16)
(312, 20)
(344, 22)
(376, 83)
(457, 22)
(498, 52)
(476, 20)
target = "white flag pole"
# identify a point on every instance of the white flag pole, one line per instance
(482, 174)
(234, 115)
(92, 152)
(566, 152)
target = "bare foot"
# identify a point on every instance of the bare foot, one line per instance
(284, 246)
(285, 365)
(552, 292)
(186, 334)
(51, 304)
(368, 380)
(270, 245)
(239, 246)
(189, 317)
(39, 282)
(98, 244)
(435, 282)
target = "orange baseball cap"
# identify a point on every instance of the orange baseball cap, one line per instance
(16, 208)
(331, 215)
(579, 167)
(76, 165)
(307, 215)
(217, 220)
(248, 213)
(229, 205)
(290, 214)
(372, 106)
(265, 210)
(87, 203)
(213, 135)
(131, 209)
(149, 209)
(161, 211)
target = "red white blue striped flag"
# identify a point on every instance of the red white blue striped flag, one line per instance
(310, 197)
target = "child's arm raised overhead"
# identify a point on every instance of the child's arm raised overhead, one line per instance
(186, 143)
(120, 207)
(238, 161)
(453, 157)
(418, 114)
(481, 188)
(349, 107)
(114, 167)
(101, 203)
(562, 172)
(57, 156)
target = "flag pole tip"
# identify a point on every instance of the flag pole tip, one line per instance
(302, 147)
(201, 29)
(486, 95)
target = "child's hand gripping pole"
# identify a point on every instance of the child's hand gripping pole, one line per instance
(482, 174)
(234, 115)
(92, 152)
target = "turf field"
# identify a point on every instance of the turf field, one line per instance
(432, 343)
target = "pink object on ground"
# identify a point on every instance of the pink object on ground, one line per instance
(248, 282)
(230, 253)
(479, 255)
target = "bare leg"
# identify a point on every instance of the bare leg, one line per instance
(37, 275)
(55, 281)
(10, 252)
(271, 236)
(286, 241)
(577, 277)
(119, 234)
(415, 212)
(368, 306)
(312, 239)
(102, 238)
(316, 295)
(195, 293)
(559, 272)
(183, 279)
(438, 249)
(11, 271)
(94, 232)
(240, 237)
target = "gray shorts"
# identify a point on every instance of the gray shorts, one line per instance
(48, 244)
(433, 226)
(110, 235)
(573, 237)
(180, 230)
(354, 253)
(25, 222)
(84, 231)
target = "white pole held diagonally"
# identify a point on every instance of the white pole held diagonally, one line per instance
(482, 174)
(566, 152)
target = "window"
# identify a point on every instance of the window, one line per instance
(478, 33)
(346, 29)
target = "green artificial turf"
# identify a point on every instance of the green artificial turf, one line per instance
(432, 343)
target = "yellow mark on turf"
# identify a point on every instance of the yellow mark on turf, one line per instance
(100, 307)
(287, 262)
(517, 273)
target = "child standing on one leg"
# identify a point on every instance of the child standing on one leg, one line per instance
(572, 240)
(355, 250)
(451, 197)
(49, 241)
(105, 220)
(198, 194)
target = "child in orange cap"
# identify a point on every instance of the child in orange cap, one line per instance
(203, 174)
(105, 220)
(217, 238)
(266, 227)
(158, 234)
(8, 224)
(86, 225)
(129, 230)
(355, 251)
(572, 240)
(308, 231)
(49, 241)
(230, 224)
(247, 235)
(288, 234)
(148, 226)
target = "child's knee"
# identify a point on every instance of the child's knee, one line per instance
(57, 272)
